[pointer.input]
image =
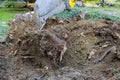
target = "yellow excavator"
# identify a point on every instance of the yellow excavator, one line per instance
(44, 9)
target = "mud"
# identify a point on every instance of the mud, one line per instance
(30, 54)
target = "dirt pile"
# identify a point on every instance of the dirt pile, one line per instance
(65, 50)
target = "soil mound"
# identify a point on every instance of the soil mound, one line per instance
(64, 50)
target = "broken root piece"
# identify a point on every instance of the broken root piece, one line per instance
(105, 54)
(59, 43)
(63, 51)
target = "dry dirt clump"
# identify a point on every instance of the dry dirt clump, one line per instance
(64, 50)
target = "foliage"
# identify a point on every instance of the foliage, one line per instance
(2, 0)
(103, 13)
(67, 14)
(15, 4)
(97, 15)
(93, 13)
(118, 0)
(92, 1)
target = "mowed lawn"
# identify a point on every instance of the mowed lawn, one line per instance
(7, 14)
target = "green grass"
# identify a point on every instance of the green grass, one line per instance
(7, 14)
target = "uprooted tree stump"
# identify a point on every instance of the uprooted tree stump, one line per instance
(63, 42)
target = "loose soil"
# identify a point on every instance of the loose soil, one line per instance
(31, 54)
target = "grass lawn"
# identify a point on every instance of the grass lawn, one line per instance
(7, 14)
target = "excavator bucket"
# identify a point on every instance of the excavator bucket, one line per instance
(46, 8)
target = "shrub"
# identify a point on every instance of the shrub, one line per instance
(14, 4)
